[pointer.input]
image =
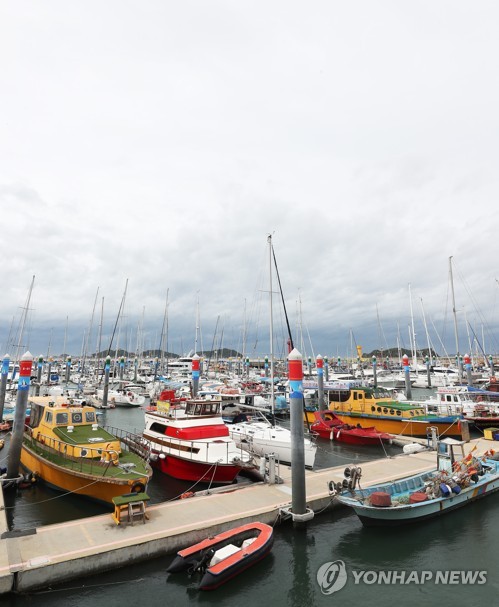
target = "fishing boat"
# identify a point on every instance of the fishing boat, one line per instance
(193, 444)
(456, 481)
(64, 446)
(330, 427)
(223, 556)
(375, 406)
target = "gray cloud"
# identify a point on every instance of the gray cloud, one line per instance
(162, 144)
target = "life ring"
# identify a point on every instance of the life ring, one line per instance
(138, 488)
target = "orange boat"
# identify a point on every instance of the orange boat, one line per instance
(223, 556)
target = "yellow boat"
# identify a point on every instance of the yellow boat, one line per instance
(64, 446)
(375, 407)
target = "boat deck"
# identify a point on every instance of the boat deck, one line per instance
(36, 558)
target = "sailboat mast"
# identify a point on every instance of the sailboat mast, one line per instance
(65, 339)
(161, 340)
(197, 326)
(413, 337)
(427, 334)
(271, 345)
(24, 318)
(455, 316)
(99, 341)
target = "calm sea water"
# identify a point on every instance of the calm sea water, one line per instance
(464, 540)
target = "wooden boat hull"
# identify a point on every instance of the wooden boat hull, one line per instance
(101, 489)
(406, 427)
(217, 574)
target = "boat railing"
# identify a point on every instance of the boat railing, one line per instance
(91, 458)
(56, 451)
(191, 449)
(133, 442)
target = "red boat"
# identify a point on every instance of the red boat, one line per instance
(223, 556)
(328, 426)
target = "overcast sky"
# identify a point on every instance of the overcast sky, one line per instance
(161, 142)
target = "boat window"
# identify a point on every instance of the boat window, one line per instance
(412, 413)
(379, 409)
(456, 400)
(420, 412)
(159, 428)
(399, 413)
(48, 417)
(392, 412)
(61, 418)
(76, 418)
(89, 417)
(197, 410)
(373, 408)
(385, 410)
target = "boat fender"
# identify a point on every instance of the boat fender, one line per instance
(445, 490)
(186, 495)
(138, 488)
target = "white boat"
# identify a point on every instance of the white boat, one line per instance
(261, 437)
(439, 377)
(120, 394)
(193, 443)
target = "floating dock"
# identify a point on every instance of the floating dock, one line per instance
(36, 558)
